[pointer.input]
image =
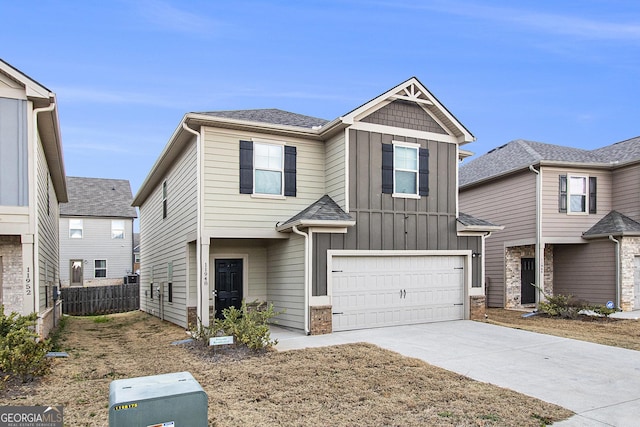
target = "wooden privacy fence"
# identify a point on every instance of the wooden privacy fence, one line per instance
(100, 299)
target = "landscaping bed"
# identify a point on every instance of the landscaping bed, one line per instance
(356, 384)
(599, 330)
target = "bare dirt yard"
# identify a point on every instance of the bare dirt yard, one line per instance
(600, 330)
(347, 385)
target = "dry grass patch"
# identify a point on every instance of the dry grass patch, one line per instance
(358, 384)
(614, 332)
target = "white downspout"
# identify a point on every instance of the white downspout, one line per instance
(539, 253)
(482, 262)
(36, 246)
(202, 300)
(618, 290)
(307, 281)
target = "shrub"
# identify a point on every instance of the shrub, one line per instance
(21, 353)
(560, 305)
(249, 326)
(602, 310)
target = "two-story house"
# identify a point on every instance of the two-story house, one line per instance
(571, 220)
(96, 232)
(343, 224)
(32, 183)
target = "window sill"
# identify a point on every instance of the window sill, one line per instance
(578, 213)
(406, 196)
(268, 196)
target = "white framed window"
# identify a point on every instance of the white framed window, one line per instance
(578, 191)
(405, 169)
(164, 199)
(268, 160)
(75, 228)
(100, 268)
(117, 229)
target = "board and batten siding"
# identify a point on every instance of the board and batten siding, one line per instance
(166, 240)
(285, 259)
(624, 188)
(510, 202)
(48, 241)
(565, 225)
(96, 244)
(384, 222)
(585, 271)
(335, 175)
(226, 209)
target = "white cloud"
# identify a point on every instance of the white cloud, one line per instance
(169, 17)
(550, 23)
(103, 96)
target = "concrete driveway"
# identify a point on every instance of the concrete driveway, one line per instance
(601, 384)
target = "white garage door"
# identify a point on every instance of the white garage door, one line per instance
(376, 291)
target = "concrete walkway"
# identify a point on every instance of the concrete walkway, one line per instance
(601, 384)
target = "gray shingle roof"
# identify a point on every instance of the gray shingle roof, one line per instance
(98, 197)
(270, 115)
(324, 209)
(613, 223)
(520, 153)
(468, 220)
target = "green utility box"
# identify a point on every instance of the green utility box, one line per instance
(169, 400)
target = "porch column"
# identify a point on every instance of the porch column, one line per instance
(204, 293)
(28, 275)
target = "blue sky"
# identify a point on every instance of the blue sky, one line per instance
(125, 72)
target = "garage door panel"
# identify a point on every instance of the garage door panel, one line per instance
(374, 291)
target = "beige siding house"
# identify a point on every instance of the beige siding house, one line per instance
(571, 220)
(343, 224)
(32, 184)
(96, 232)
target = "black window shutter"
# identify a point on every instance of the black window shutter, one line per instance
(423, 178)
(246, 167)
(593, 190)
(562, 194)
(290, 181)
(387, 168)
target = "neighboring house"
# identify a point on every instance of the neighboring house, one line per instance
(136, 253)
(32, 184)
(96, 232)
(579, 208)
(343, 224)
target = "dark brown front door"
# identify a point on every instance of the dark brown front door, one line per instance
(228, 284)
(528, 276)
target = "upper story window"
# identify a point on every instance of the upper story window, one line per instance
(267, 169)
(577, 194)
(164, 199)
(75, 228)
(268, 173)
(405, 170)
(117, 229)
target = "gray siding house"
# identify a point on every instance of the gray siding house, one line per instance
(344, 224)
(571, 220)
(32, 184)
(96, 232)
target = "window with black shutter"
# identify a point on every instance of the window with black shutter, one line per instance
(267, 169)
(405, 170)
